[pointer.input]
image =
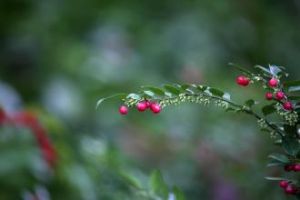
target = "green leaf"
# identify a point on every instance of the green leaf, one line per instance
(292, 86)
(216, 92)
(263, 69)
(274, 163)
(296, 98)
(131, 180)
(173, 90)
(157, 184)
(201, 88)
(280, 158)
(241, 69)
(100, 101)
(155, 90)
(250, 103)
(291, 145)
(275, 178)
(133, 96)
(178, 194)
(268, 109)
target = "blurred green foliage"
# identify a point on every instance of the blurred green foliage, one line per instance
(59, 57)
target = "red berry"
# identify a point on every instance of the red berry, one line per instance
(242, 80)
(273, 82)
(155, 107)
(290, 189)
(283, 184)
(288, 105)
(279, 95)
(269, 96)
(288, 168)
(142, 106)
(148, 103)
(123, 110)
(296, 167)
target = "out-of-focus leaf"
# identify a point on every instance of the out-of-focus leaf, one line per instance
(268, 109)
(100, 101)
(275, 178)
(131, 180)
(250, 103)
(291, 145)
(280, 158)
(263, 69)
(158, 185)
(178, 194)
(243, 70)
(292, 86)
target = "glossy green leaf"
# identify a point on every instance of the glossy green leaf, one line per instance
(157, 91)
(275, 178)
(100, 101)
(172, 89)
(157, 184)
(133, 96)
(280, 158)
(263, 69)
(216, 92)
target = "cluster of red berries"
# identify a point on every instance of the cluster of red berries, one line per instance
(288, 187)
(29, 120)
(142, 106)
(272, 83)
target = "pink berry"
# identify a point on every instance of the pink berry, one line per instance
(290, 189)
(273, 82)
(148, 103)
(155, 107)
(283, 184)
(279, 95)
(242, 80)
(142, 106)
(269, 96)
(123, 110)
(288, 105)
(296, 167)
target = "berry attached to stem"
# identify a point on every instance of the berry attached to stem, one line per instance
(242, 80)
(296, 167)
(290, 189)
(123, 110)
(288, 105)
(273, 82)
(283, 184)
(142, 106)
(269, 96)
(155, 107)
(279, 95)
